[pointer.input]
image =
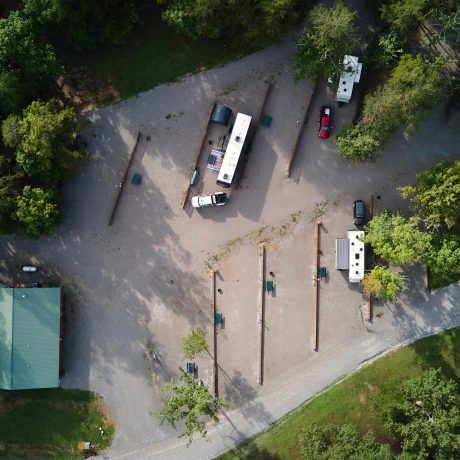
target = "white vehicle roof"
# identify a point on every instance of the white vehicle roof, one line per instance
(350, 76)
(356, 256)
(234, 148)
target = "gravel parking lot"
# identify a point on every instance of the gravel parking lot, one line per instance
(146, 279)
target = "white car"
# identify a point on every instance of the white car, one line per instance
(29, 268)
(217, 199)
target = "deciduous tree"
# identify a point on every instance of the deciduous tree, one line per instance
(37, 211)
(22, 52)
(436, 196)
(44, 138)
(340, 442)
(384, 283)
(191, 402)
(396, 239)
(428, 418)
(195, 343)
(330, 34)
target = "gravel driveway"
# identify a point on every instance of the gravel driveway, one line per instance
(144, 280)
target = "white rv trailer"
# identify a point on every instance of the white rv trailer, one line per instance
(350, 76)
(235, 150)
(356, 259)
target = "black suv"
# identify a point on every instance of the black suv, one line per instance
(359, 213)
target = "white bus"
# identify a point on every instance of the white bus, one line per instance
(356, 258)
(235, 150)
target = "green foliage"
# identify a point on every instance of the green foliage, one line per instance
(384, 283)
(396, 239)
(10, 189)
(330, 34)
(419, 87)
(83, 23)
(47, 137)
(191, 402)
(356, 144)
(10, 131)
(11, 97)
(243, 22)
(449, 23)
(404, 15)
(195, 343)
(415, 87)
(340, 442)
(37, 211)
(428, 418)
(386, 49)
(436, 196)
(20, 50)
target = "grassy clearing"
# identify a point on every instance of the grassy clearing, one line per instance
(362, 399)
(153, 54)
(50, 423)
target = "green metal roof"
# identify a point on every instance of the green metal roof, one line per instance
(29, 338)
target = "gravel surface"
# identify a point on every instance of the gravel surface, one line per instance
(139, 285)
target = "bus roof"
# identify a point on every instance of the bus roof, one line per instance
(234, 148)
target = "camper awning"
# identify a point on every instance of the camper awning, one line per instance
(342, 250)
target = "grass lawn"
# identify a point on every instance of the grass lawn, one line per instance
(50, 423)
(361, 399)
(152, 54)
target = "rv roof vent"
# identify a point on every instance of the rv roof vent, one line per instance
(237, 138)
(225, 176)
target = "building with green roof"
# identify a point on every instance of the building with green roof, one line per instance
(30, 338)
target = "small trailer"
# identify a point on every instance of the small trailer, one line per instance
(351, 75)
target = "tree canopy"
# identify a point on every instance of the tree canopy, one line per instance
(396, 239)
(191, 402)
(21, 52)
(246, 23)
(436, 196)
(428, 418)
(384, 283)
(415, 87)
(83, 23)
(37, 211)
(195, 343)
(340, 442)
(330, 34)
(44, 140)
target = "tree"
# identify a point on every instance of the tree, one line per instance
(428, 418)
(37, 211)
(46, 146)
(404, 15)
(415, 87)
(382, 282)
(340, 442)
(9, 191)
(11, 97)
(191, 402)
(444, 256)
(436, 196)
(83, 23)
(396, 239)
(356, 144)
(21, 52)
(195, 343)
(216, 18)
(330, 34)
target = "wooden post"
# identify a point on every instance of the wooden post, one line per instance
(316, 288)
(123, 180)
(262, 318)
(214, 333)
